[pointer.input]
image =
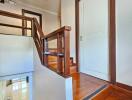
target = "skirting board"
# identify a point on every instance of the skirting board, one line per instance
(124, 86)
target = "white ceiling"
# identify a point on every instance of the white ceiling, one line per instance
(50, 5)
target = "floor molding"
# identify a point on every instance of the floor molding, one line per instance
(124, 86)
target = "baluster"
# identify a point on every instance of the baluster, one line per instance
(42, 53)
(32, 27)
(59, 51)
(24, 26)
(46, 50)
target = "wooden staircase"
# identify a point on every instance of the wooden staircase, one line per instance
(58, 59)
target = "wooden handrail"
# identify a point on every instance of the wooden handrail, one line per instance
(9, 14)
(14, 26)
(38, 37)
(63, 39)
(59, 31)
(38, 28)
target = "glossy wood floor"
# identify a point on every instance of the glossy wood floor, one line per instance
(84, 85)
(113, 93)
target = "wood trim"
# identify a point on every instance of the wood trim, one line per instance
(124, 86)
(77, 32)
(112, 41)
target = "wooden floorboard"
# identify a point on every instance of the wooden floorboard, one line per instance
(84, 85)
(113, 92)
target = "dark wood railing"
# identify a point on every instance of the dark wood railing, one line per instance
(38, 37)
(63, 42)
(63, 49)
(16, 16)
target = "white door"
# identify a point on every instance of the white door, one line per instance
(94, 38)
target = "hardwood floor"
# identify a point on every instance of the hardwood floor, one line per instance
(113, 93)
(84, 85)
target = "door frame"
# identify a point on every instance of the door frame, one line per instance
(77, 22)
(112, 38)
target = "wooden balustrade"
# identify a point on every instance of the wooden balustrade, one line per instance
(63, 42)
(16, 16)
(38, 37)
(63, 39)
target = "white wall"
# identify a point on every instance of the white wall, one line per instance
(16, 54)
(124, 41)
(94, 33)
(68, 19)
(50, 19)
(47, 85)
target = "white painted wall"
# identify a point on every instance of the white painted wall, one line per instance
(47, 85)
(94, 42)
(124, 41)
(68, 19)
(16, 54)
(50, 19)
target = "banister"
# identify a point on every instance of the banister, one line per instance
(63, 39)
(9, 14)
(59, 31)
(38, 28)
(14, 26)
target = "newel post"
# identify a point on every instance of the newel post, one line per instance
(67, 51)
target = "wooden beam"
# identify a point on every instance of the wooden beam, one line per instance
(77, 32)
(112, 41)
